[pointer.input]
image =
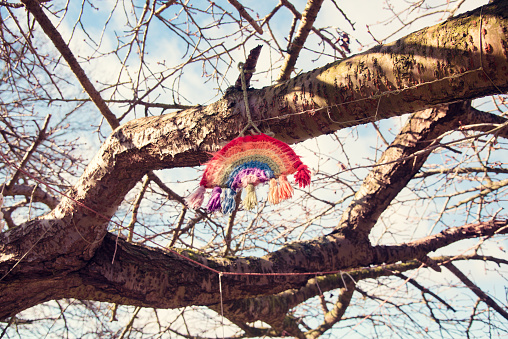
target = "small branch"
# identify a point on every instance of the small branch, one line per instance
(464, 170)
(292, 31)
(10, 4)
(245, 15)
(421, 247)
(38, 194)
(129, 325)
(476, 290)
(131, 102)
(249, 67)
(380, 135)
(135, 209)
(164, 7)
(171, 194)
(334, 316)
(344, 14)
(114, 310)
(176, 232)
(35, 9)
(308, 17)
(40, 138)
(322, 301)
(174, 196)
(486, 188)
(424, 289)
(231, 223)
(471, 318)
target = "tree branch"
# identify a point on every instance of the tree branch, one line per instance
(308, 17)
(334, 316)
(244, 14)
(36, 192)
(476, 290)
(249, 67)
(398, 161)
(40, 138)
(298, 16)
(35, 9)
(421, 247)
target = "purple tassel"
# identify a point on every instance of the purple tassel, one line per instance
(214, 202)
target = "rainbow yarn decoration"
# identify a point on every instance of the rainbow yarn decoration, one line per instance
(246, 162)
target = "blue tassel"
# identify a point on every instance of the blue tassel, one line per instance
(228, 202)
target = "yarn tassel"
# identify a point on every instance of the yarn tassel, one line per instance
(273, 192)
(228, 202)
(195, 200)
(285, 189)
(214, 202)
(250, 201)
(302, 176)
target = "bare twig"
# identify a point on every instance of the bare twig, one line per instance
(179, 223)
(476, 290)
(246, 15)
(231, 223)
(424, 289)
(40, 138)
(128, 327)
(135, 209)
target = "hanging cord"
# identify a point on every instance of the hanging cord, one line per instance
(250, 123)
(221, 303)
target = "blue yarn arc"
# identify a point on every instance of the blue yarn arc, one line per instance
(250, 164)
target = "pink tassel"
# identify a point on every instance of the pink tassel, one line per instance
(285, 189)
(273, 192)
(195, 200)
(302, 176)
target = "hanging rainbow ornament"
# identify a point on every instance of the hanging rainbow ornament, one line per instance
(244, 163)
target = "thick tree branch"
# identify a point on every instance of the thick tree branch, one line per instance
(271, 308)
(485, 122)
(397, 165)
(421, 247)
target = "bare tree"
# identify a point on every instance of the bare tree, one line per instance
(403, 228)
